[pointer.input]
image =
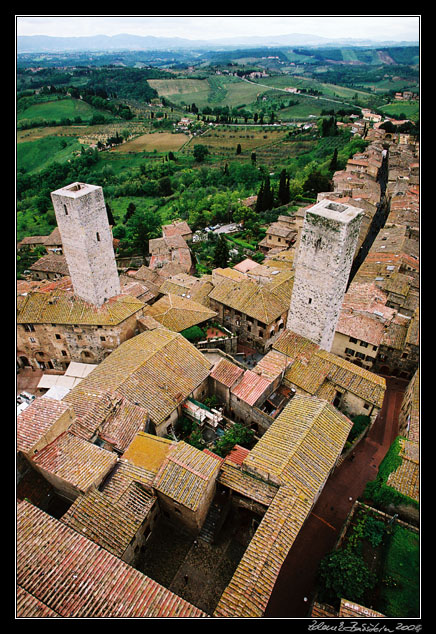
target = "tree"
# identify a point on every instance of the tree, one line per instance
(334, 162)
(345, 574)
(221, 255)
(284, 193)
(200, 152)
(235, 435)
(316, 182)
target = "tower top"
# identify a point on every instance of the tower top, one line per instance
(339, 212)
(75, 190)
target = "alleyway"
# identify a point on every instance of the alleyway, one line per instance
(296, 581)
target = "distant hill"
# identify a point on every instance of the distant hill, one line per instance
(45, 43)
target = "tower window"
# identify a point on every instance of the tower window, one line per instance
(310, 300)
(66, 210)
(98, 237)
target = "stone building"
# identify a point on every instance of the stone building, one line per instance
(87, 241)
(328, 243)
(55, 327)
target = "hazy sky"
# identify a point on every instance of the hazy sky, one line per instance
(208, 27)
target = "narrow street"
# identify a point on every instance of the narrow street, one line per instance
(296, 581)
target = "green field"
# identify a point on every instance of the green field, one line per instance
(400, 595)
(56, 110)
(34, 156)
(409, 108)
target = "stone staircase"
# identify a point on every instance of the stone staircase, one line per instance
(211, 524)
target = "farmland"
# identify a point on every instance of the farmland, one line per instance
(251, 112)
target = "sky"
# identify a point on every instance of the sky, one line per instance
(208, 27)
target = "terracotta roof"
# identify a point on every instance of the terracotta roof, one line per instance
(246, 484)
(75, 577)
(251, 387)
(186, 474)
(109, 523)
(226, 372)
(51, 263)
(147, 452)
(405, 478)
(303, 443)
(250, 298)
(311, 368)
(349, 609)
(75, 461)
(178, 227)
(178, 313)
(123, 423)
(156, 370)
(298, 452)
(62, 307)
(29, 607)
(35, 422)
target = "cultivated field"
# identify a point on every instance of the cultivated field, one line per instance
(159, 141)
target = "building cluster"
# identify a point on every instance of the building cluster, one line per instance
(109, 446)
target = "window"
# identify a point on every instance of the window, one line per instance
(57, 336)
(102, 338)
(66, 210)
(98, 236)
(349, 351)
(64, 353)
(310, 300)
(363, 344)
(353, 340)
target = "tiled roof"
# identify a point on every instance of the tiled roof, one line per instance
(37, 419)
(92, 407)
(245, 484)
(226, 372)
(178, 313)
(250, 298)
(123, 423)
(186, 475)
(405, 479)
(123, 475)
(250, 588)
(111, 524)
(349, 609)
(311, 368)
(251, 387)
(298, 452)
(76, 461)
(61, 307)
(76, 578)
(29, 607)
(148, 452)
(303, 443)
(157, 370)
(51, 263)
(178, 227)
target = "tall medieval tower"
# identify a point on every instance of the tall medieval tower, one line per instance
(87, 241)
(328, 243)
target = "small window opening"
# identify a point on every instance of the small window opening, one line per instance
(66, 210)
(98, 237)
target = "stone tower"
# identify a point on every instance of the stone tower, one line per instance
(328, 243)
(87, 241)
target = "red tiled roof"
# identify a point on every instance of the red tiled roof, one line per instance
(75, 577)
(226, 372)
(251, 387)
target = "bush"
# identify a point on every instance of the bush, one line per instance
(344, 574)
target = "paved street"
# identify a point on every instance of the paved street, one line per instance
(319, 534)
